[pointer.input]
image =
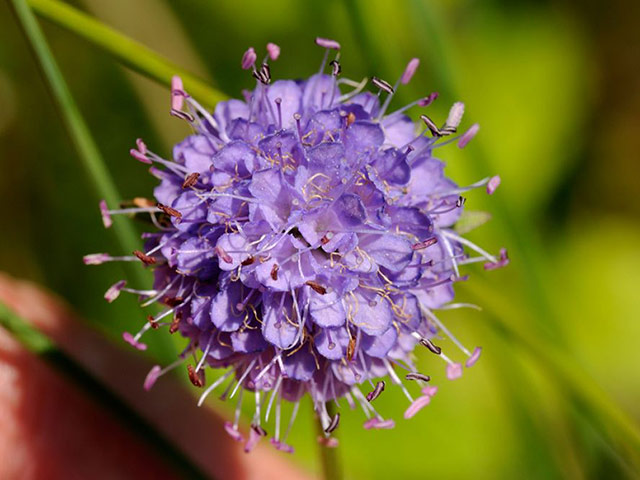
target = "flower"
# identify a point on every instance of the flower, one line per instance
(303, 241)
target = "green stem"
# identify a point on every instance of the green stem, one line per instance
(329, 457)
(42, 346)
(83, 142)
(133, 54)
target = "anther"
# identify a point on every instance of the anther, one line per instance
(493, 184)
(382, 84)
(263, 74)
(114, 291)
(177, 94)
(429, 344)
(222, 254)
(172, 212)
(175, 323)
(433, 128)
(152, 322)
(327, 43)
(412, 66)
(351, 348)
(336, 68)
(427, 243)
(142, 202)
(460, 201)
(106, 216)
(468, 135)
(248, 261)
(248, 59)
(417, 376)
(197, 378)
(191, 180)
(182, 115)
(502, 262)
(350, 119)
(316, 287)
(144, 258)
(335, 421)
(273, 50)
(274, 272)
(428, 100)
(375, 393)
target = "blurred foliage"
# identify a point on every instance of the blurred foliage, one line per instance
(556, 89)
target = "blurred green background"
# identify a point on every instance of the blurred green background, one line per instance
(556, 89)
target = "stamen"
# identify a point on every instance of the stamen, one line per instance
(222, 254)
(429, 390)
(335, 421)
(416, 406)
(213, 386)
(106, 217)
(412, 66)
(375, 393)
(316, 287)
(336, 67)
(177, 94)
(146, 259)
(249, 58)
(502, 262)
(274, 272)
(172, 212)
(191, 180)
(427, 243)
(493, 184)
(433, 128)
(382, 84)
(329, 442)
(139, 156)
(131, 340)
(417, 376)
(182, 115)
(455, 116)
(474, 357)
(466, 137)
(454, 370)
(378, 424)
(431, 346)
(327, 43)
(196, 377)
(151, 377)
(273, 50)
(233, 432)
(428, 100)
(255, 434)
(114, 291)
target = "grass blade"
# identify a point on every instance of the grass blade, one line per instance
(126, 50)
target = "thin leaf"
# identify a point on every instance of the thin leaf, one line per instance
(131, 53)
(86, 147)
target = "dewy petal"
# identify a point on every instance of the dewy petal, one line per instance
(389, 251)
(290, 96)
(379, 345)
(278, 326)
(224, 312)
(372, 313)
(300, 366)
(332, 343)
(326, 310)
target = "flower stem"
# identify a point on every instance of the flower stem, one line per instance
(329, 457)
(42, 346)
(133, 54)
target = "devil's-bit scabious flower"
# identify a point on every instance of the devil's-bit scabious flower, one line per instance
(303, 241)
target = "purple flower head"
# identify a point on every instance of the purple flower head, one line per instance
(304, 243)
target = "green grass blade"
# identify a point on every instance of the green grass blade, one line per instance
(131, 53)
(86, 147)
